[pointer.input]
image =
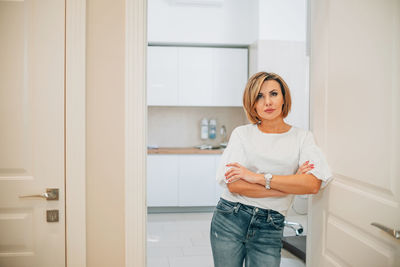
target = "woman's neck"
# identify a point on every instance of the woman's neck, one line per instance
(274, 126)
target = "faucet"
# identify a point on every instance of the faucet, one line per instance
(293, 225)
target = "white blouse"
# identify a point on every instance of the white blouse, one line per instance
(279, 154)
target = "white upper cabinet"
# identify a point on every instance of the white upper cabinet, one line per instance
(162, 76)
(196, 76)
(195, 68)
(230, 76)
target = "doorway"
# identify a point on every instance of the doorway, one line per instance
(182, 73)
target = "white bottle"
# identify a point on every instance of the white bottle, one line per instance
(204, 129)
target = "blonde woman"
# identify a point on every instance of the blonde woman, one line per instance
(260, 172)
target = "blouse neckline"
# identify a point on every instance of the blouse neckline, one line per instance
(288, 131)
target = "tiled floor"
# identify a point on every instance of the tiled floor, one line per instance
(182, 239)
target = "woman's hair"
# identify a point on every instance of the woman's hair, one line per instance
(253, 88)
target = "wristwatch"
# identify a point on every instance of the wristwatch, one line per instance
(268, 178)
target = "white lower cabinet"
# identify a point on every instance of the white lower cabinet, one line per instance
(196, 180)
(162, 180)
(182, 180)
(218, 189)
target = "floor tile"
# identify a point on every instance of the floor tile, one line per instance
(197, 251)
(285, 262)
(192, 261)
(157, 262)
(158, 252)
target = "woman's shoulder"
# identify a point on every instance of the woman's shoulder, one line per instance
(244, 130)
(304, 136)
(300, 131)
(300, 134)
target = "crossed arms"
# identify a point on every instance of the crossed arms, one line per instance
(250, 184)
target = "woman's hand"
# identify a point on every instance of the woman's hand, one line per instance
(306, 167)
(237, 172)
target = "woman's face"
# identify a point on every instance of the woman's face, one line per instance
(269, 101)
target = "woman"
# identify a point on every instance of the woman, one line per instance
(260, 172)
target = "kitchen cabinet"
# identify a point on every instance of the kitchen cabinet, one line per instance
(203, 76)
(197, 180)
(162, 76)
(218, 188)
(230, 76)
(182, 180)
(162, 180)
(195, 76)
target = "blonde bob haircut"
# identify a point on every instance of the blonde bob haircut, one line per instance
(253, 88)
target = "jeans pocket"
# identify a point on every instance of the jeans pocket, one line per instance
(277, 220)
(224, 207)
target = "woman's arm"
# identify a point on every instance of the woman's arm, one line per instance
(253, 190)
(300, 183)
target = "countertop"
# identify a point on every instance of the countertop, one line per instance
(183, 150)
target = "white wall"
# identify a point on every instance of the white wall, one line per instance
(281, 48)
(282, 20)
(232, 22)
(288, 59)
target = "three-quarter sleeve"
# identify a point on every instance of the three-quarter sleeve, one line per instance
(234, 152)
(310, 151)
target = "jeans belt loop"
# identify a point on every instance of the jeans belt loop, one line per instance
(237, 207)
(269, 216)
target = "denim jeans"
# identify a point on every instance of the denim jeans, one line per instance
(245, 233)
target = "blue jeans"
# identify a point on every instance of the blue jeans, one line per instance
(245, 233)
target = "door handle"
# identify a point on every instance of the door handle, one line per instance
(50, 194)
(392, 232)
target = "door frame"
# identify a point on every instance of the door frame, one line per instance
(75, 132)
(135, 132)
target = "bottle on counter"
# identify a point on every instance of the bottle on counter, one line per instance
(204, 129)
(212, 129)
(224, 141)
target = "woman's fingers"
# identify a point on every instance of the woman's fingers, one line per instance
(305, 167)
(233, 164)
(232, 173)
(231, 170)
(233, 178)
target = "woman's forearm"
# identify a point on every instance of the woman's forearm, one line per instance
(253, 190)
(299, 184)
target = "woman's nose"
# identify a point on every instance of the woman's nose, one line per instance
(268, 101)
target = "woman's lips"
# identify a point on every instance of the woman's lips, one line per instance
(269, 110)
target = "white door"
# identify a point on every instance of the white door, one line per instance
(355, 107)
(31, 132)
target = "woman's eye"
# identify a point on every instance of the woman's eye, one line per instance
(259, 96)
(274, 93)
